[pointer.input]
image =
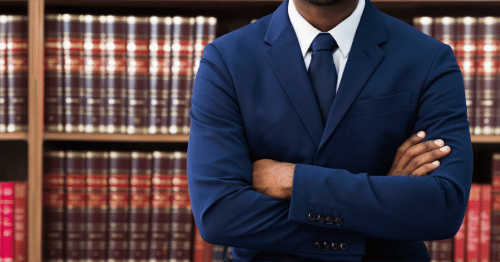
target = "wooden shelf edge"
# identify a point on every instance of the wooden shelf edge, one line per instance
(115, 137)
(14, 136)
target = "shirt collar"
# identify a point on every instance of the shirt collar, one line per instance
(343, 33)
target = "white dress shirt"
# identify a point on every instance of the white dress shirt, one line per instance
(343, 33)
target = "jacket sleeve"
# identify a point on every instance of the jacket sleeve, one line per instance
(430, 207)
(226, 209)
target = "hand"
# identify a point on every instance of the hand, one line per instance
(273, 178)
(416, 159)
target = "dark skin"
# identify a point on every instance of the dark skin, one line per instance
(413, 157)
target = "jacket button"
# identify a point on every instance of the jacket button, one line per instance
(311, 216)
(318, 246)
(320, 218)
(338, 221)
(329, 220)
(335, 246)
(326, 245)
(343, 246)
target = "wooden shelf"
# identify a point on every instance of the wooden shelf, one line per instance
(116, 137)
(13, 136)
(493, 139)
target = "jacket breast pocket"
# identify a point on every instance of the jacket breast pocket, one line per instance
(382, 104)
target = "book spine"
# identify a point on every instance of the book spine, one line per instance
(116, 72)
(424, 24)
(75, 206)
(459, 242)
(219, 252)
(159, 72)
(7, 221)
(465, 53)
(204, 33)
(181, 74)
(161, 185)
(485, 221)
(17, 73)
(73, 72)
(140, 199)
(137, 74)
(2, 241)
(181, 214)
(54, 80)
(486, 74)
(53, 206)
(94, 81)
(97, 205)
(118, 188)
(472, 252)
(198, 245)
(444, 30)
(3, 73)
(495, 210)
(167, 76)
(20, 212)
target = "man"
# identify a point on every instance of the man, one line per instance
(303, 141)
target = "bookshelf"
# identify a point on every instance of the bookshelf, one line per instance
(26, 149)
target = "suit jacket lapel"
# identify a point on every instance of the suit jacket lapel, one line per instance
(364, 57)
(286, 59)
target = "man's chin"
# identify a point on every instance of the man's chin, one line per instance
(322, 2)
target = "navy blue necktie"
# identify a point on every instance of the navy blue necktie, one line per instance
(322, 72)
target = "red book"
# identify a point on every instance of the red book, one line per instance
(20, 222)
(442, 250)
(485, 221)
(75, 206)
(72, 26)
(181, 74)
(181, 214)
(97, 205)
(465, 53)
(137, 74)
(140, 199)
(54, 79)
(116, 73)
(2, 241)
(473, 226)
(160, 32)
(94, 79)
(7, 222)
(17, 73)
(459, 242)
(160, 206)
(119, 168)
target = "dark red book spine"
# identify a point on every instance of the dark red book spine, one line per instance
(465, 53)
(116, 67)
(94, 81)
(424, 24)
(73, 72)
(137, 74)
(160, 32)
(181, 74)
(198, 245)
(140, 203)
(75, 206)
(486, 74)
(8, 221)
(459, 242)
(181, 220)
(97, 204)
(473, 226)
(444, 30)
(118, 188)
(3, 73)
(160, 206)
(20, 221)
(495, 211)
(485, 222)
(17, 73)
(54, 196)
(54, 80)
(442, 250)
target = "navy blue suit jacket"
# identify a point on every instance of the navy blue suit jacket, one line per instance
(252, 99)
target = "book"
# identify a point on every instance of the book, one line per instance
(20, 221)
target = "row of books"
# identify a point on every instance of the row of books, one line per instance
(122, 74)
(13, 237)
(116, 206)
(475, 43)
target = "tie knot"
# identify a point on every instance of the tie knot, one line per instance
(324, 41)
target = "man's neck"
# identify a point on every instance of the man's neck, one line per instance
(325, 18)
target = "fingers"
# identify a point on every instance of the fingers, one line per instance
(414, 151)
(427, 162)
(412, 140)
